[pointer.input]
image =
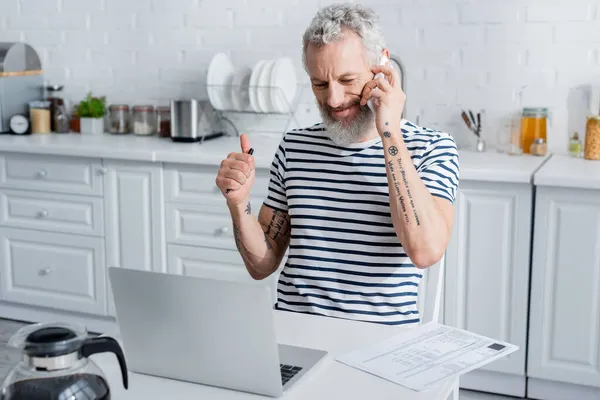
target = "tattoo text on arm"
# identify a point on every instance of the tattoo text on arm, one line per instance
(398, 194)
(408, 194)
(278, 227)
(236, 235)
(248, 208)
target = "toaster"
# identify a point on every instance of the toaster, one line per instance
(21, 81)
(192, 121)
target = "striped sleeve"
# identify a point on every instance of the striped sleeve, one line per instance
(276, 197)
(439, 167)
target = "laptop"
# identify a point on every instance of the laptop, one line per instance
(207, 331)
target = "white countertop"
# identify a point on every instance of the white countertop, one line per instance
(140, 148)
(566, 171)
(491, 166)
(330, 380)
(488, 166)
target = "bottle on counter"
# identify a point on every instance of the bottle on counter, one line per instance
(575, 145)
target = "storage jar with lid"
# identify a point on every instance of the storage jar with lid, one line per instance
(144, 120)
(591, 148)
(539, 147)
(533, 126)
(163, 121)
(40, 116)
(119, 118)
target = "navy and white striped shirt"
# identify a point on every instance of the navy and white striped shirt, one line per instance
(345, 259)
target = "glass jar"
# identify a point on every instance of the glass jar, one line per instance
(533, 126)
(119, 119)
(591, 148)
(40, 116)
(75, 122)
(539, 147)
(144, 120)
(163, 121)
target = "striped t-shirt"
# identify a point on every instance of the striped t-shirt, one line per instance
(345, 259)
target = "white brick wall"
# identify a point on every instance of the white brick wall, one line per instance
(497, 54)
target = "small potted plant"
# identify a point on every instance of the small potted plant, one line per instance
(91, 114)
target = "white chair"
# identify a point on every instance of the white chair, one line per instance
(430, 298)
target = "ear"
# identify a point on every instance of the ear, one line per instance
(386, 52)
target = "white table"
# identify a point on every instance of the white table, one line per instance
(330, 380)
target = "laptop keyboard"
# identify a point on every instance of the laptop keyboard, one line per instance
(288, 372)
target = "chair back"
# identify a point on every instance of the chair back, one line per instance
(431, 291)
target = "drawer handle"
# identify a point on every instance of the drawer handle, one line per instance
(44, 271)
(222, 231)
(42, 214)
(42, 173)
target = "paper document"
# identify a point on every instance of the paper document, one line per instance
(427, 355)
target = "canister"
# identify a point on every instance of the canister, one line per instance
(533, 126)
(591, 150)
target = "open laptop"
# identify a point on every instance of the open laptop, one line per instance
(213, 332)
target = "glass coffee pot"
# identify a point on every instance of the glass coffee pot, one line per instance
(55, 364)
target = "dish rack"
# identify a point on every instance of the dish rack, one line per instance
(252, 114)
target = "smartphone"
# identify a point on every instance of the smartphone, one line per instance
(372, 102)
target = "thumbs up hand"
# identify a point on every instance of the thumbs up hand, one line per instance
(236, 174)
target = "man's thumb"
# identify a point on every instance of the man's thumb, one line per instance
(245, 143)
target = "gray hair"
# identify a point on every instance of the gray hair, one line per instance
(328, 24)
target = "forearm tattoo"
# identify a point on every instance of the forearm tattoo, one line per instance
(279, 226)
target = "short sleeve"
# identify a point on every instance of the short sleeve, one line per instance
(439, 167)
(276, 197)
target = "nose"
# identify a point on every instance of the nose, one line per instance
(335, 95)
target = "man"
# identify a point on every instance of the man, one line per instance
(364, 200)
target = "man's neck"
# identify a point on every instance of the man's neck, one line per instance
(370, 134)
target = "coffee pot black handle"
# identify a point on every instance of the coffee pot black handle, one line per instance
(104, 344)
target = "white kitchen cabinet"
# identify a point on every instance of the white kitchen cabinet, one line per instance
(564, 333)
(134, 217)
(206, 223)
(52, 212)
(51, 173)
(206, 262)
(195, 184)
(487, 276)
(59, 271)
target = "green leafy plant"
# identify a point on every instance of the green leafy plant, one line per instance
(92, 107)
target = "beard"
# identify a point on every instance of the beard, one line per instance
(349, 130)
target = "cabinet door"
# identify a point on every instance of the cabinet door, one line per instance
(60, 271)
(487, 266)
(135, 234)
(212, 263)
(565, 316)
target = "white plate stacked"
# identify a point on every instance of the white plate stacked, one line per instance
(268, 87)
(218, 80)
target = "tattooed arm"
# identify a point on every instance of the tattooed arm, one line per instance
(261, 241)
(423, 222)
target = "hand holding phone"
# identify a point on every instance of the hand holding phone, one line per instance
(372, 102)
